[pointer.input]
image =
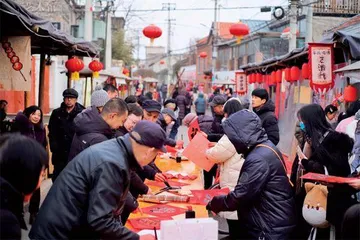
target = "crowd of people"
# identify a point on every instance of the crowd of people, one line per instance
(103, 154)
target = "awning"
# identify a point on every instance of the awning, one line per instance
(350, 68)
(150, 80)
(15, 20)
(86, 72)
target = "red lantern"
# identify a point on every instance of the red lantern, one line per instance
(259, 78)
(273, 78)
(287, 30)
(350, 94)
(96, 67)
(126, 72)
(152, 32)
(287, 74)
(17, 66)
(305, 71)
(203, 55)
(74, 65)
(14, 59)
(249, 78)
(162, 62)
(278, 76)
(239, 30)
(294, 74)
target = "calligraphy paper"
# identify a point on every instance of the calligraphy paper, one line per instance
(162, 184)
(193, 129)
(204, 196)
(196, 152)
(178, 175)
(327, 178)
(163, 210)
(147, 222)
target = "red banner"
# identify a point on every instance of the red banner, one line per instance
(321, 65)
(241, 82)
(193, 129)
(327, 178)
(204, 196)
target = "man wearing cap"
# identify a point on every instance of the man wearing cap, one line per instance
(86, 200)
(99, 98)
(265, 109)
(152, 110)
(62, 130)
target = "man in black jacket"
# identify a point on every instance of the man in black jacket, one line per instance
(62, 130)
(263, 195)
(87, 199)
(265, 108)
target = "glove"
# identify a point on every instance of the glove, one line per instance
(216, 204)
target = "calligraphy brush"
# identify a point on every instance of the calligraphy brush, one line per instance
(156, 237)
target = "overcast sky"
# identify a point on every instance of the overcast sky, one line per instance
(190, 24)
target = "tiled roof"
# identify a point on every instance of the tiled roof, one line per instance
(351, 25)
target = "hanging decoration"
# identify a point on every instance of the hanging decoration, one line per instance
(278, 76)
(162, 62)
(287, 74)
(251, 78)
(241, 83)
(152, 32)
(203, 55)
(350, 94)
(259, 78)
(96, 67)
(239, 30)
(126, 72)
(321, 63)
(294, 74)
(305, 71)
(272, 79)
(287, 30)
(74, 66)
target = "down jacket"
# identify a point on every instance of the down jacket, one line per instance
(86, 200)
(224, 154)
(263, 195)
(269, 121)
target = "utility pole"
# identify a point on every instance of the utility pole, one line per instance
(88, 29)
(108, 37)
(309, 22)
(214, 41)
(169, 7)
(293, 24)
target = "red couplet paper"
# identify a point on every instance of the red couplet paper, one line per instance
(148, 237)
(147, 222)
(204, 196)
(163, 210)
(193, 129)
(162, 184)
(196, 152)
(327, 178)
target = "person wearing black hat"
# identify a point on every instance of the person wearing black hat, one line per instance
(265, 109)
(152, 110)
(86, 200)
(62, 130)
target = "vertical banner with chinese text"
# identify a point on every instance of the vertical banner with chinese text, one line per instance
(241, 83)
(321, 63)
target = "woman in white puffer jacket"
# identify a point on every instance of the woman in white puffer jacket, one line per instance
(230, 163)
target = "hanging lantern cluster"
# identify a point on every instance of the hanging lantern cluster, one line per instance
(126, 72)
(239, 30)
(294, 74)
(15, 60)
(287, 30)
(162, 62)
(152, 32)
(74, 66)
(203, 55)
(258, 78)
(350, 94)
(96, 67)
(278, 76)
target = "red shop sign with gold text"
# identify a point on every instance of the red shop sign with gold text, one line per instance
(321, 63)
(241, 82)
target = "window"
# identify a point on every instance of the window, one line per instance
(57, 25)
(75, 30)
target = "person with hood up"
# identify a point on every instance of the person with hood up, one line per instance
(62, 130)
(263, 196)
(182, 101)
(86, 200)
(230, 163)
(30, 123)
(200, 105)
(265, 108)
(92, 128)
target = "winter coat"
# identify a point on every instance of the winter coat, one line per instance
(205, 123)
(230, 162)
(269, 121)
(333, 153)
(263, 196)
(61, 132)
(11, 211)
(216, 131)
(341, 127)
(182, 101)
(90, 129)
(87, 198)
(25, 127)
(200, 104)
(167, 128)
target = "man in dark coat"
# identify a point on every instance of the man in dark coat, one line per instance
(263, 196)
(265, 108)
(87, 199)
(61, 130)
